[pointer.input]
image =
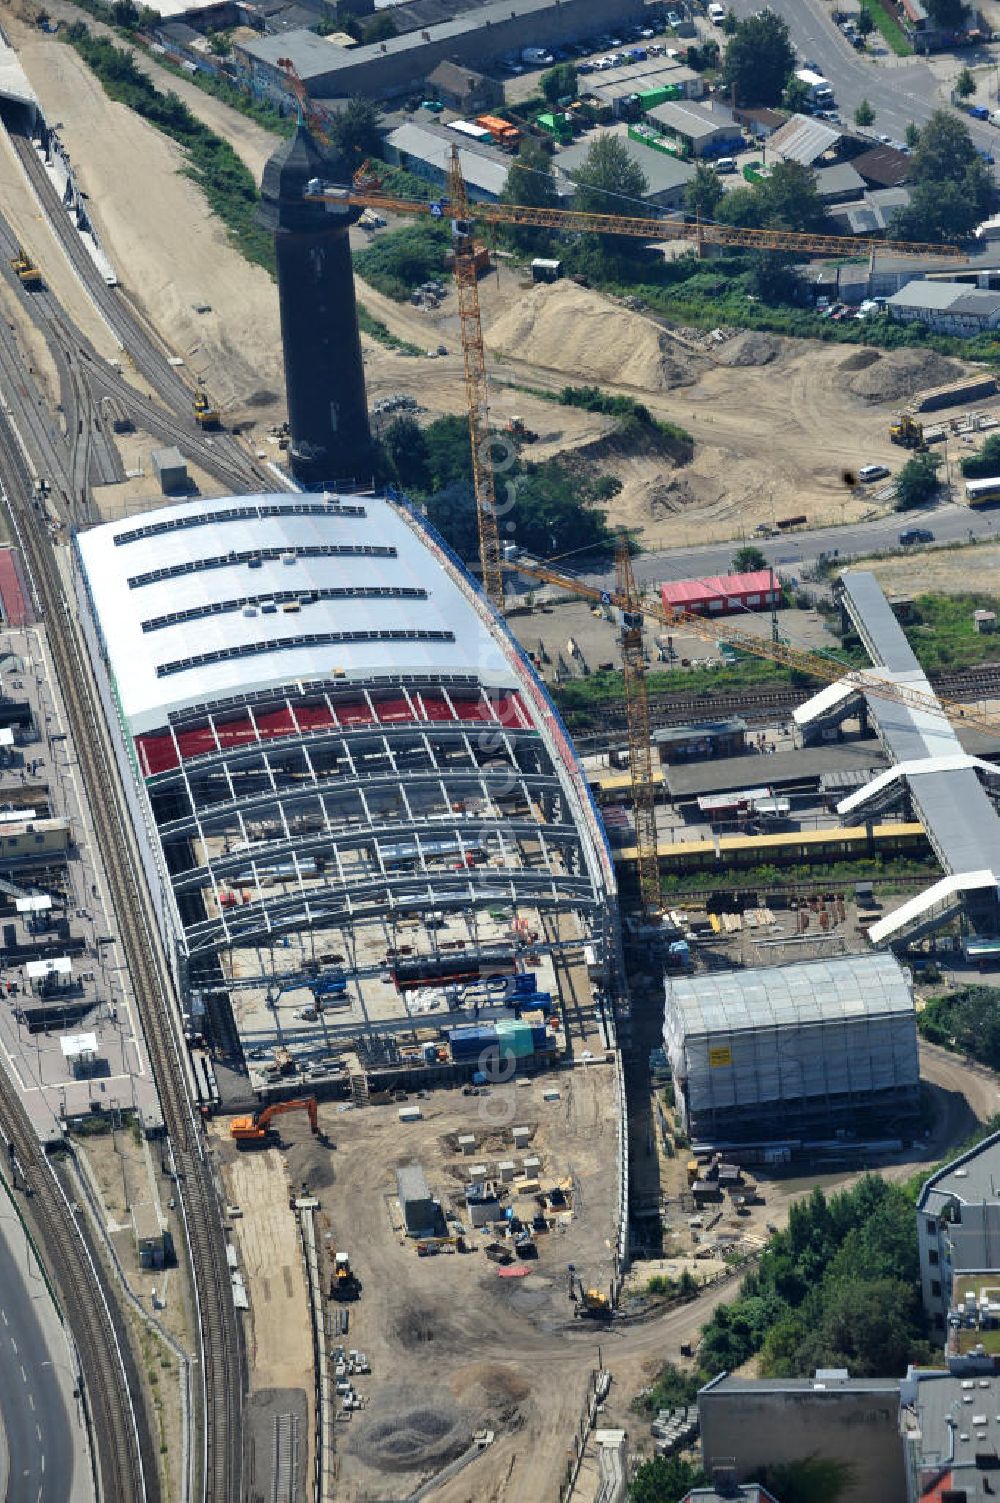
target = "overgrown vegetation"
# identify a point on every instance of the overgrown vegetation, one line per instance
(839, 1288)
(544, 507)
(985, 463)
(211, 162)
(399, 261)
(580, 701)
(892, 33)
(766, 878)
(966, 1021)
(943, 635)
(634, 417)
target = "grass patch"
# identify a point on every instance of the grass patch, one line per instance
(892, 33)
(878, 869)
(943, 635)
(581, 701)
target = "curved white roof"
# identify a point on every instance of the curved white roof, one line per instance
(207, 599)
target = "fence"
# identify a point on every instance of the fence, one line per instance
(598, 1383)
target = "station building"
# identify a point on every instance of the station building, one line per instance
(339, 763)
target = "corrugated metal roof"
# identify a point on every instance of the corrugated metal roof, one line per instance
(791, 996)
(803, 139)
(663, 172)
(191, 563)
(695, 122)
(683, 591)
(488, 173)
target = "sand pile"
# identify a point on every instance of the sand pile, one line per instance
(568, 328)
(901, 373)
(750, 348)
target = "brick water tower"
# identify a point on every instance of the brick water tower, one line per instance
(324, 374)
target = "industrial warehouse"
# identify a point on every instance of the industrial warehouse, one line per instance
(356, 804)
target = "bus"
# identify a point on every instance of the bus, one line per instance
(982, 492)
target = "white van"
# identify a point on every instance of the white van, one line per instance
(726, 164)
(717, 14)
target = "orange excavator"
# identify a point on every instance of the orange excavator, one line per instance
(257, 1130)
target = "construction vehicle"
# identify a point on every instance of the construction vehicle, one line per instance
(591, 1304)
(907, 432)
(257, 1130)
(345, 1283)
(205, 414)
(27, 272)
(518, 428)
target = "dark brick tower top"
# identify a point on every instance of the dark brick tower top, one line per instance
(324, 375)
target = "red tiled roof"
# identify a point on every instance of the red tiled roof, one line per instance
(680, 592)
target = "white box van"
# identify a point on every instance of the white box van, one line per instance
(717, 14)
(726, 164)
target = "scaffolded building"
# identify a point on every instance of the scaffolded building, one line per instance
(795, 1052)
(337, 756)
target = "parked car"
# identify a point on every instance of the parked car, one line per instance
(870, 472)
(674, 20)
(915, 535)
(979, 112)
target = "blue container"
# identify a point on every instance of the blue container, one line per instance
(539, 1035)
(525, 982)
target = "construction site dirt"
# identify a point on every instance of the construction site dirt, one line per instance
(453, 1346)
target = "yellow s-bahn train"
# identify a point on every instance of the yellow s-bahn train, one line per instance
(794, 847)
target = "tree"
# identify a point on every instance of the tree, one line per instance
(380, 28)
(814, 1479)
(789, 198)
(953, 189)
(705, 56)
(986, 462)
(406, 448)
(917, 482)
(559, 83)
(865, 23)
(948, 14)
(704, 192)
(609, 181)
(912, 135)
(965, 84)
(530, 181)
(758, 59)
(796, 95)
(356, 131)
(864, 114)
(666, 1479)
(748, 559)
(729, 23)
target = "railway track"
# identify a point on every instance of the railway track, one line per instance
(759, 706)
(222, 1355)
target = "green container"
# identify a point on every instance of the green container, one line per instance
(514, 1039)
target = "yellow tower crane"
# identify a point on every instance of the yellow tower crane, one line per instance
(366, 194)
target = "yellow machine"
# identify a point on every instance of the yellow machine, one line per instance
(205, 415)
(27, 272)
(907, 432)
(593, 1305)
(258, 1129)
(518, 428)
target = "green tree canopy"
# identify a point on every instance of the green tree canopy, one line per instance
(530, 181)
(559, 83)
(796, 95)
(748, 559)
(758, 59)
(950, 15)
(356, 130)
(665, 1479)
(986, 463)
(953, 189)
(609, 180)
(406, 448)
(704, 192)
(965, 84)
(790, 198)
(917, 482)
(865, 23)
(864, 115)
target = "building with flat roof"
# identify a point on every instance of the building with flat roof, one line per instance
(950, 1430)
(380, 70)
(325, 733)
(750, 1423)
(794, 1052)
(946, 307)
(704, 130)
(958, 1233)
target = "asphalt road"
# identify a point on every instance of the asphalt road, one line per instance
(950, 522)
(899, 92)
(43, 1443)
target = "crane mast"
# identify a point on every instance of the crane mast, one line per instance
(640, 747)
(476, 391)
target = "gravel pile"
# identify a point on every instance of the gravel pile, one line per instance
(751, 348)
(404, 1434)
(897, 375)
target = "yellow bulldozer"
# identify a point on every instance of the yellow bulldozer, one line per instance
(27, 272)
(906, 431)
(205, 414)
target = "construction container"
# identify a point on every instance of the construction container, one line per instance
(469, 1043)
(514, 1039)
